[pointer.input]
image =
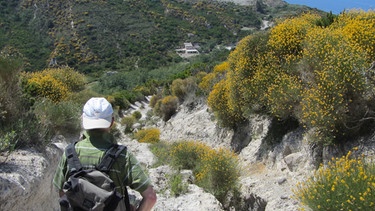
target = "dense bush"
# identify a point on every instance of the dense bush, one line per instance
(83, 96)
(249, 75)
(59, 118)
(187, 149)
(154, 99)
(137, 115)
(166, 107)
(283, 96)
(301, 70)
(55, 84)
(11, 106)
(149, 135)
(178, 186)
(358, 28)
(18, 124)
(128, 121)
(47, 86)
(72, 79)
(217, 171)
(161, 151)
(287, 37)
(338, 82)
(210, 79)
(346, 183)
(118, 99)
(181, 88)
(218, 100)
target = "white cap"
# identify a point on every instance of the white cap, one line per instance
(97, 113)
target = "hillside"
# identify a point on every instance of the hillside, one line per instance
(96, 35)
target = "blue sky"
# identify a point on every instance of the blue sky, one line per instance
(336, 6)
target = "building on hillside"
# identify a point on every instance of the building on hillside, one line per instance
(188, 50)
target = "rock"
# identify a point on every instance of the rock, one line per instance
(294, 161)
(195, 199)
(26, 180)
(281, 181)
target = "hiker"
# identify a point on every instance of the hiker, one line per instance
(97, 119)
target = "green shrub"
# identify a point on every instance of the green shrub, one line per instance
(18, 124)
(182, 87)
(29, 132)
(166, 107)
(161, 150)
(137, 115)
(149, 135)
(8, 141)
(82, 97)
(74, 80)
(61, 117)
(11, 105)
(119, 99)
(216, 171)
(346, 183)
(178, 187)
(128, 121)
(154, 99)
(187, 154)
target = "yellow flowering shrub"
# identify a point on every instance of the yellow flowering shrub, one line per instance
(337, 81)
(283, 96)
(218, 101)
(305, 69)
(49, 87)
(74, 80)
(53, 83)
(242, 89)
(359, 27)
(209, 80)
(245, 62)
(149, 135)
(218, 172)
(286, 38)
(346, 183)
(187, 154)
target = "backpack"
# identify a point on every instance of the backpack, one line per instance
(92, 189)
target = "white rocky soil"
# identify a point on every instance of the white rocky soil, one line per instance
(268, 174)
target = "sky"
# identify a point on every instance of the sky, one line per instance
(336, 6)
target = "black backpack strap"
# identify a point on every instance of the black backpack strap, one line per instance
(107, 162)
(72, 158)
(109, 157)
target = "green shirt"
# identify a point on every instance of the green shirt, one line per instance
(126, 170)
